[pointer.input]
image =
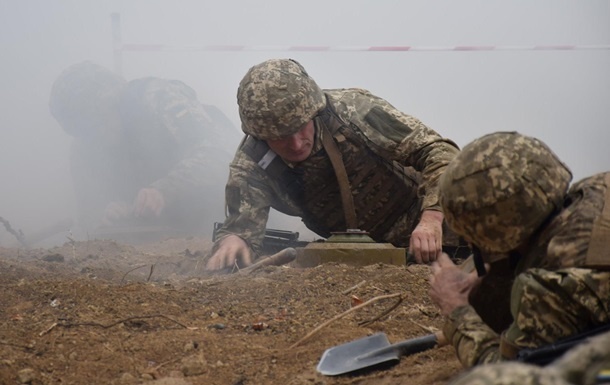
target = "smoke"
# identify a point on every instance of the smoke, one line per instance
(562, 97)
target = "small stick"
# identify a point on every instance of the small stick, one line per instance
(129, 271)
(278, 259)
(17, 234)
(429, 329)
(152, 268)
(42, 333)
(347, 291)
(383, 314)
(70, 325)
(24, 347)
(317, 329)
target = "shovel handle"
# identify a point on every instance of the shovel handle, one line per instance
(412, 346)
(418, 344)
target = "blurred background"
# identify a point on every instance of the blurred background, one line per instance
(559, 96)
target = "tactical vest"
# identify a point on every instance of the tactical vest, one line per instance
(383, 192)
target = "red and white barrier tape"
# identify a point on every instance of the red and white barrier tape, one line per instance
(397, 48)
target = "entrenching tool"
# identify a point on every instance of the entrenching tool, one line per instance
(373, 352)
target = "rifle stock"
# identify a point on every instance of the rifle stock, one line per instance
(274, 241)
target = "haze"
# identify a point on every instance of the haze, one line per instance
(559, 96)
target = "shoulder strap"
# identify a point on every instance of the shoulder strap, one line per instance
(597, 254)
(344, 187)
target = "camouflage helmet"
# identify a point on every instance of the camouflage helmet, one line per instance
(83, 95)
(500, 189)
(276, 98)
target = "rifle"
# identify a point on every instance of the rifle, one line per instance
(545, 354)
(274, 240)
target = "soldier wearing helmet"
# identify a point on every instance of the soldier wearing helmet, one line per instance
(509, 196)
(391, 161)
(146, 152)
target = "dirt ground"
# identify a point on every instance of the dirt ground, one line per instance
(102, 312)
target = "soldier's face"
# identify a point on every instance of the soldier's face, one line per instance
(296, 147)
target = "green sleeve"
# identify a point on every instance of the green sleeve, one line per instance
(474, 341)
(396, 136)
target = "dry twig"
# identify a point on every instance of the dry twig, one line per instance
(136, 268)
(429, 329)
(347, 291)
(152, 268)
(280, 258)
(24, 347)
(320, 327)
(18, 234)
(383, 314)
(42, 333)
(96, 324)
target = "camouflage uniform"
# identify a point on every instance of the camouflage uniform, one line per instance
(586, 364)
(393, 162)
(557, 241)
(169, 141)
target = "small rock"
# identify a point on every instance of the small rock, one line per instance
(26, 376)
(194, 366)
(147, 376)
(190, 346)
(127, 379)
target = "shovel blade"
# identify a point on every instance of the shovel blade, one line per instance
(356, 355)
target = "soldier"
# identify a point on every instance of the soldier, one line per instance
(507, 195)
(146, 152)
(586, 364)
(388, 163)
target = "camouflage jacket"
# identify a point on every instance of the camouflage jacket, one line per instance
(562, 284)
(374, 137)
(171, 142)
(585, 364)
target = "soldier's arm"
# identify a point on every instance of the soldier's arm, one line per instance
(399, 137)
(474, 341)
(248, 199)
(546, 306)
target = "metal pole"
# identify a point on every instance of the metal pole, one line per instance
(117, 44)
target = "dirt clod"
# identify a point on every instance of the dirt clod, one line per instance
(118, 314)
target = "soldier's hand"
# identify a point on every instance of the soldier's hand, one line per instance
(148, 203)
(116, 212)
(427, 239)
(450, 285)
(230, 250)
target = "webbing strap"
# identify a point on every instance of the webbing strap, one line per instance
(597, 254)
(347, 199)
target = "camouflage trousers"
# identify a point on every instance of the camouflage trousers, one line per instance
(586, 364)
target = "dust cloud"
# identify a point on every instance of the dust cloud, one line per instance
(560, 96)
